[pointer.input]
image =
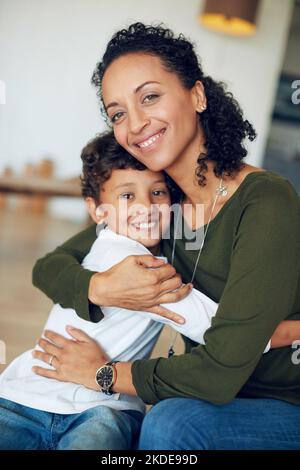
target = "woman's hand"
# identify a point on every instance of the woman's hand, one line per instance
(131, 284)
(75, 360)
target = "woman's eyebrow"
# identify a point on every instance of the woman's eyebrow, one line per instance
(114, 103)
(144, 84)
(110, 105)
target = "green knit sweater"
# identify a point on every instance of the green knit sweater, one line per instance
(250, 265)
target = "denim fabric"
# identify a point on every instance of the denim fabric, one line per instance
(99, 428)
(191, 424)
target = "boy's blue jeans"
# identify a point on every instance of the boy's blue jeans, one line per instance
(191, 424)
(99, 428)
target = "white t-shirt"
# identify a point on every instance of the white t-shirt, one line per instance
(124, 335)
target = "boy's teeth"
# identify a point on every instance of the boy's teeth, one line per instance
(145, 225)
(150, 141)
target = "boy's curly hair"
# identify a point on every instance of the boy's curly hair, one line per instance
(100, 157)
(223, 123)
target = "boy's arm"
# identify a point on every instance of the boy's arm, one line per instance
(61, 277)
(198, 310)
(286, 333)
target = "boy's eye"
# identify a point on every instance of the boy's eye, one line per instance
(126, 196)
(150, 97)
(160, 192)
(116, 117)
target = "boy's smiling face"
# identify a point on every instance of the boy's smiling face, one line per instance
(134, 203)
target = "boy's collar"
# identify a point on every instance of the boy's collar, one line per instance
(107, 233)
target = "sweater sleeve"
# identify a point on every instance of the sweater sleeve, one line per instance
(258, 294)
(61, 277)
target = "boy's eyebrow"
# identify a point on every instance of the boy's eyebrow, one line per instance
(114, 103)
(161, 180)
(124, 184)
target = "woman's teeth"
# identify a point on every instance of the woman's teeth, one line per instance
(150, 141)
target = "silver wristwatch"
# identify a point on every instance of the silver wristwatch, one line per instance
(106, 377)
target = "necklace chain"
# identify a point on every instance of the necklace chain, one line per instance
(220, 191)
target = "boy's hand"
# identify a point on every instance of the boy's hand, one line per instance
(286, 333)
(132, 285)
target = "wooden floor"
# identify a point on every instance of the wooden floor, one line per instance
(24, 237)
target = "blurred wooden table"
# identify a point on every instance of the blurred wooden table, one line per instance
(48, 187)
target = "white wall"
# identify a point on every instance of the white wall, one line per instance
(49, 48)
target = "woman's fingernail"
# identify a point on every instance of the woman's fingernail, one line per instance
(181, 321)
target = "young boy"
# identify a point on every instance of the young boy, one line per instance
(132, 204)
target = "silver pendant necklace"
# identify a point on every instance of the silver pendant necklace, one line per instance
(220, 191)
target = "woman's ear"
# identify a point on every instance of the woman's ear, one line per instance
(199, 97)
(96, 212)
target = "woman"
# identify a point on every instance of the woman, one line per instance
(225, 394)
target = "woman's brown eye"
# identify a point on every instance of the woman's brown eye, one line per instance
(116, 117)
(150, 97)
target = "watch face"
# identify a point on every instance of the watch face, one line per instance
(105, 377)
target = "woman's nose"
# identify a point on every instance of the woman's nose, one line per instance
(137, 120)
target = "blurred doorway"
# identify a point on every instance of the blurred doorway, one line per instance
(283, 146)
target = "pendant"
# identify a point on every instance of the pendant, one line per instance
(222, 191)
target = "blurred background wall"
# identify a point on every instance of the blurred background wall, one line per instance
(48, 50)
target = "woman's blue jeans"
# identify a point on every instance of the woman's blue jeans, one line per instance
(191, 424)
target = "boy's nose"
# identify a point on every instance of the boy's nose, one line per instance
(143, 210)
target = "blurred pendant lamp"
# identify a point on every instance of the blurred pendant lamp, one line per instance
(235, 17)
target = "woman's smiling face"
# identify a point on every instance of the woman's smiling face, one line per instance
(154, 116)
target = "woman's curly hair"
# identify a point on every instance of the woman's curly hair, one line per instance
(100, 157)
(223, 123)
